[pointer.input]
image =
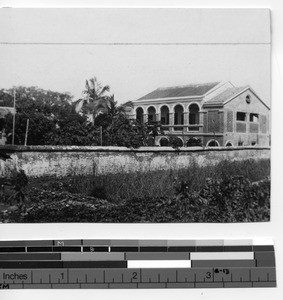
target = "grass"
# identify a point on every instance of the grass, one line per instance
(231, 191)
(125, 186)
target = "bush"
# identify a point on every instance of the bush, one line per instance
(194, 142)
(175, 142)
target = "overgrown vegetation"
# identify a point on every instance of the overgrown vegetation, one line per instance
(228, 192)
(57, 119)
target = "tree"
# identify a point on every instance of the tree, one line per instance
(6, 98)
(73, 129)
(49, 112)
(124, 132)
(110, 111)
(113, 120)
(54, 120)
(41, 107)
(94, 100)
(151, 130)
(118, 130)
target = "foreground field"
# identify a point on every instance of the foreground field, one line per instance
(227, 192)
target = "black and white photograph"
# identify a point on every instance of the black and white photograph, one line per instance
(135, 115)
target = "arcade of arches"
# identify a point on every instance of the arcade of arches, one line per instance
(180, 116)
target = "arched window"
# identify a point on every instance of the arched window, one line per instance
(193, 116)
(229, 144)
(212, 143)
(178, 117)
(151, 114)
(164, 115)
(164, 142)
(139, 115)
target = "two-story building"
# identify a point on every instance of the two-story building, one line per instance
(219, 114)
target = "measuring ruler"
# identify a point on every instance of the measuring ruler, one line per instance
(104, 264)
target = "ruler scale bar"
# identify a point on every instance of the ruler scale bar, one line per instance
(197, 275)
(104, 264)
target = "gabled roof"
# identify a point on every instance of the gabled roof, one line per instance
(229, 95)
(180, 91)
(224, 96)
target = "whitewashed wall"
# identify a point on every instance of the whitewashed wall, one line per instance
(62, 161)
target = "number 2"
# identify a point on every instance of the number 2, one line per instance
(135, 274)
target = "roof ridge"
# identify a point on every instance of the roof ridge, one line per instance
(188, 85)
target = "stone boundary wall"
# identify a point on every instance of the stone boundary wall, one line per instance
(62, 161)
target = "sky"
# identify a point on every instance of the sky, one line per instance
(134, 51)
(133, 71)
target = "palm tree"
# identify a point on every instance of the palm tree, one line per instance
(95, 97)
(111, 108)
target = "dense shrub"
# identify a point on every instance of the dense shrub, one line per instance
(175, 142)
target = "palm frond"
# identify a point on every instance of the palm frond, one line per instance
(103, 90)
(79, 104)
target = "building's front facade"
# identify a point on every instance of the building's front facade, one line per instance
(217, 114)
